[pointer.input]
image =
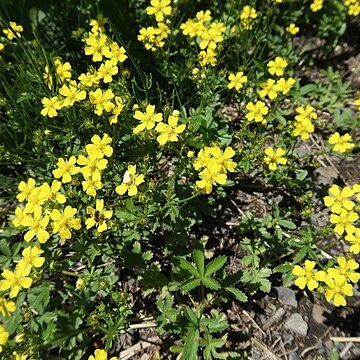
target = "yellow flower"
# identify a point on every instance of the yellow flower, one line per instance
(52, 193)
(207, 57)
(192, 28)
(277, 66)
(316, 5)
(170, 131)
(80, 283)
(17, 356)
(256, 111)
(130, 182)
(14, 280)
(66, 169)
(147, 119)
(6, 307)
(305, 113)
(90, 186)
(344, 221)
(50, 106)
(337, 288)
(341, 143)
(203, 16)
(97, 46)
(159, 8)
(36, 199)
(63, 71)
(113, 119)
(20, 218)
(4, 335)
(64, 221)
(357, 103)
(116, 53)
(92, 165)
(25, 189)
(224, 158)
(31, 257)
(247, 15)
(236, 80)
(292, 29)
(13, 30)
(269, 89)
(307, 276)
(303, 128)
(285, 85)
(209, 39)
(101, 100)
(97, 25)
(203, 159)
(98, 216)
(209, 176)
(338, 199)
(71, 93)
(37, 227)
(274, 158)
(100, 147)
(100, 355)
(89, 79)
(107, 70)
(345, 268)
(354, 238)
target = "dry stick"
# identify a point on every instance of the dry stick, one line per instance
(345, 350)
(254, 322)
(345, 339)
(132, 350)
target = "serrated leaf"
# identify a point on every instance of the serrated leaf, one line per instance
(238, 294)
(300, 255)
(265, 285)
(199, 259)
(185, 265)
(38, 298)
(190, 284)
(211, 283)
(191, 344)
(190, 315)
(215, 325)
(215, 265)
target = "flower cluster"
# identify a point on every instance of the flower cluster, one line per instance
(335, 282)
(100, 47)
(209, 35)
(247, 16)
(214, 165)
(353, 7)
(316, 5)
(153, 37)
(303, 122)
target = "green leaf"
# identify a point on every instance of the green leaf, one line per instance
(190, 315)
(283, 268)
(300, 255)
(191, 344)
(190, 284)
(287, 224)
(199, 259)
(215, 265)
(211, 283)
(238, 294)
(38, 298)
(185, 265)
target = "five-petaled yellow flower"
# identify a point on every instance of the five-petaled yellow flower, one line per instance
(341, 143)
(15, 281)
(307, 276)
(159, 8)
(339, 199)
(274, 158)
(337, 288)
(31, 258)
(256, 111)
(98, 216)
(66, 169)
(169, 132)
(130, 182)
(147, 119)
(237, 80)
(277, 66)
(101, 354)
